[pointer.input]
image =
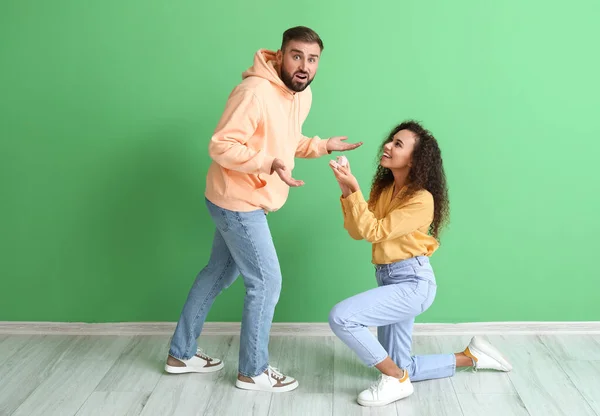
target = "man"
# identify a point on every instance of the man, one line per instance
(253, 150)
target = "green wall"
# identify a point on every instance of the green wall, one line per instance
(106, 109)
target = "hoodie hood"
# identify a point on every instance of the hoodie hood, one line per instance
(265, 67)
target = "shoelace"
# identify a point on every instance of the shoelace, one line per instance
(275, 373)
(378, 385)
(202, 354)
(375, 386)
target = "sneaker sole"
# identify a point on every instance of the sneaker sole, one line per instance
(184, 370)
(492, 352)
(251, 386)
(383, 402)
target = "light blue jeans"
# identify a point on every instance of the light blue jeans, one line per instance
(406, 289)
(242, 245)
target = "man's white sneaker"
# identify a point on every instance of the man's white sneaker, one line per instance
(271, 380)
(387, 390)
(199, 363)
(486, 356)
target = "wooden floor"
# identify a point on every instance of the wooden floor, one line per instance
(123, 375)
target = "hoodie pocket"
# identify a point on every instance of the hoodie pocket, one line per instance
(261, 183)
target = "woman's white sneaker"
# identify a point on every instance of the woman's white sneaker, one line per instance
(387, 390)
(272, 380)
(485, 356)
(199, 363)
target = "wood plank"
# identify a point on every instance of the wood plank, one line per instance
(310, 361)
(434, 404)
(492, 405)
(543, 386)
(66, 389)
(102, 403)
(27, 368)
(585, 376)
(466, 380)
(139, 367)
(572, 347)
(12, 344)
(98, 347)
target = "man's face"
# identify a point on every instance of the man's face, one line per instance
(298, 64)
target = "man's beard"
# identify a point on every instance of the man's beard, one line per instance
(292, 84)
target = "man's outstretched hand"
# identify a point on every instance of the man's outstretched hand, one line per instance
(338, 144)
(285, 175)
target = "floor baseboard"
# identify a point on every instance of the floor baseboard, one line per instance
(295, 329)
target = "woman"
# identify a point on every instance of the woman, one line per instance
(407, 208)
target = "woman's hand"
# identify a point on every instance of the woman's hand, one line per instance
(347, 182)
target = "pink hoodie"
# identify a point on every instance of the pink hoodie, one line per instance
(262, 121)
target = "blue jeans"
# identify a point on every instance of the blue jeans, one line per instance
(242, 245)
(406, 289)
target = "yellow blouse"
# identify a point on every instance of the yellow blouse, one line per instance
(397, 229)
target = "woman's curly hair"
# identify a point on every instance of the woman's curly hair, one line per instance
(427, 172)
